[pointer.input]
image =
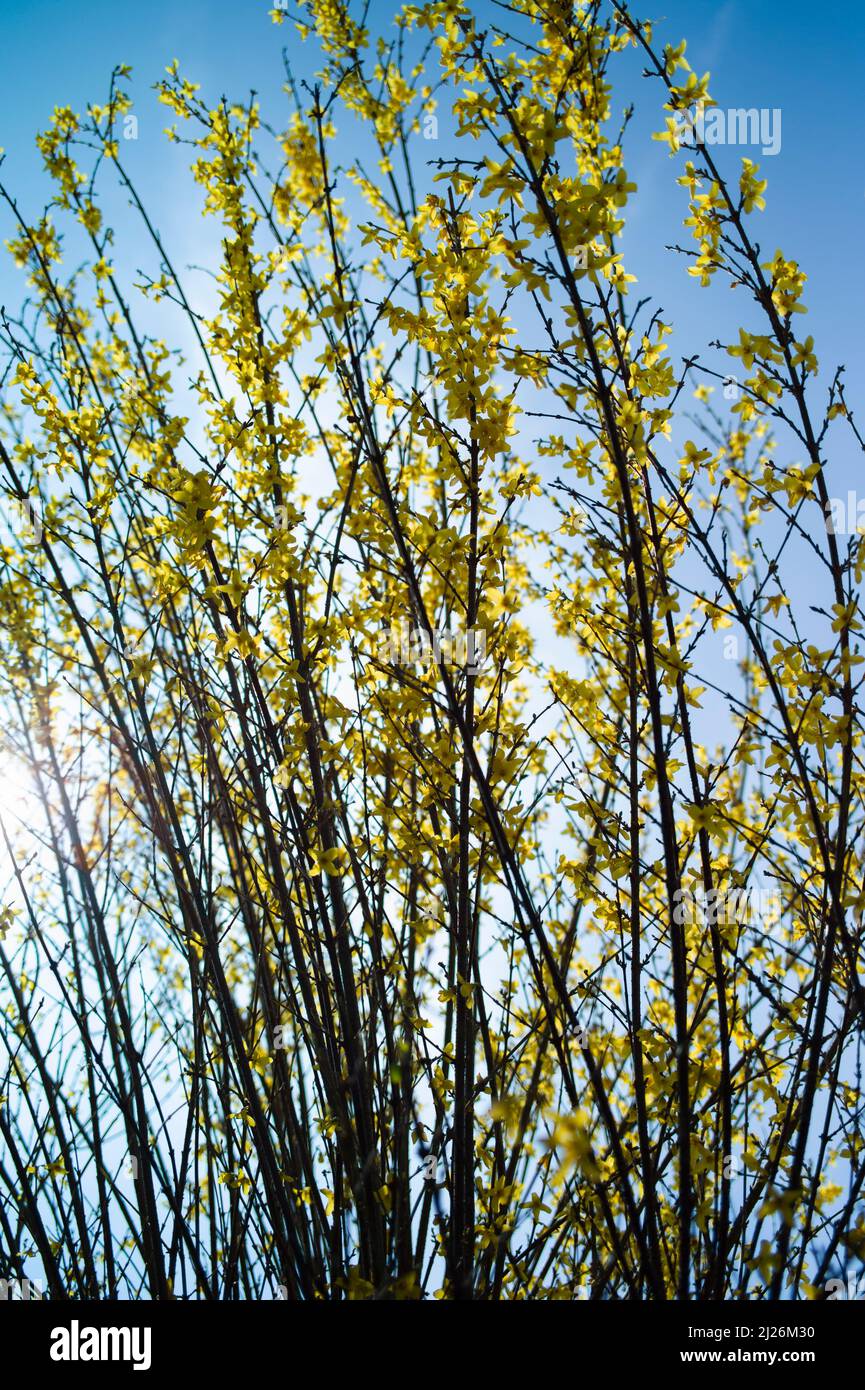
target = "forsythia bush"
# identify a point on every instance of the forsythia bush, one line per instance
(412, 900)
